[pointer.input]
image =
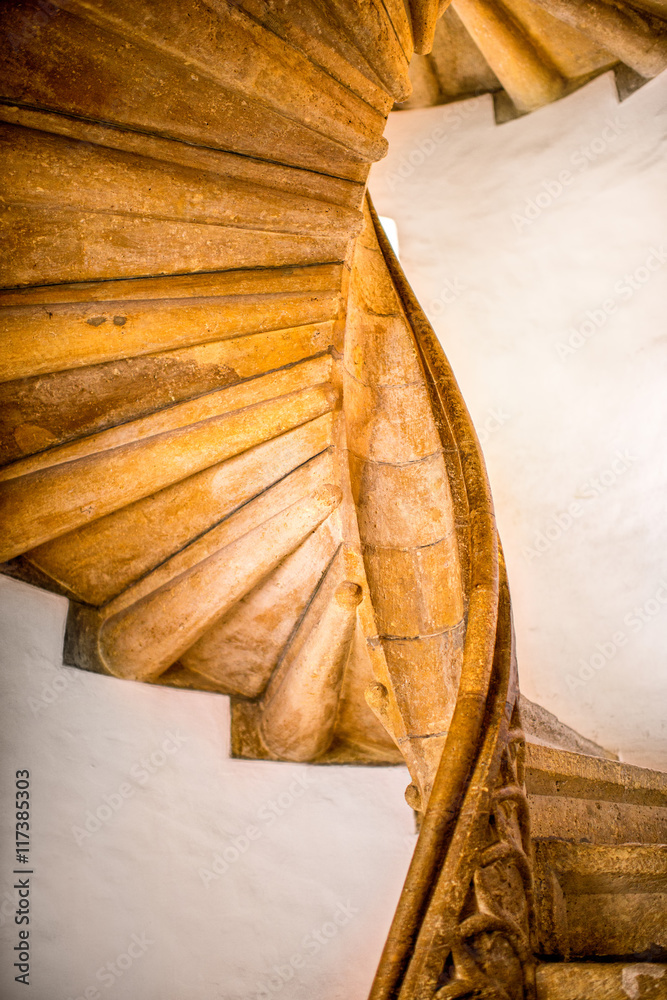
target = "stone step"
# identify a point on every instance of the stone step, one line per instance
(594, 800)
(546, 729)
(601, 981)
(601, 900)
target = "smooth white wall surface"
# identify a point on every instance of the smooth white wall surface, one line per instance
(135, 909)
(538, 249)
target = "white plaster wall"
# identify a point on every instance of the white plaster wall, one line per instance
(569, 412)
(334, 836)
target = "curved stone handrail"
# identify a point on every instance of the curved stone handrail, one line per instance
(486, 704)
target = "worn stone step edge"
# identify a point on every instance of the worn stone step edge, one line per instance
(572, 775)
(601, 981)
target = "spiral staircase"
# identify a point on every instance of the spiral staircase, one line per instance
(231, 439)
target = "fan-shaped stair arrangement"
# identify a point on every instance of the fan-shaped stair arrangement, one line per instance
(217, 436)
(230, 436)
(531, 52)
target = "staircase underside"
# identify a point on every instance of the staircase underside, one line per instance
(528, 53)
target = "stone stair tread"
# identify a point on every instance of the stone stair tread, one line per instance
(564, 773)
(601, 981)
(601, 900)
(585, 869)
(545, 729)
